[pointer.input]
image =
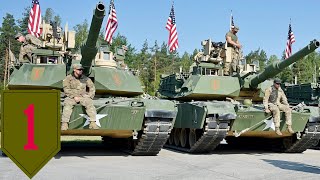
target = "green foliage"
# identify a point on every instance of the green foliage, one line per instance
(82, 31)
(48, 15)
(8, 30)
(23, 22)
(257, 55)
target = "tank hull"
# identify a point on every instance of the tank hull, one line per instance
(136, 122)
(253, 124)
(201, 126)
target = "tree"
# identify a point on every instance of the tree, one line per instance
(272, 59)
(48, 15)
(23, 22)
(7, 32)
(186, 62)
(82, 31)
(57, 19)
(257, 55)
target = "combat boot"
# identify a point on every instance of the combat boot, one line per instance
(278, 132)
(290, 130)
(64, 126)
(93, 125)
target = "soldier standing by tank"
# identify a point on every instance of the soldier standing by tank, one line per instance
(74, 86)
(29, 43)
(275, 101)
(233, 46)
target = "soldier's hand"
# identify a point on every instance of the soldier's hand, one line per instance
(267, 111)
(77, 99)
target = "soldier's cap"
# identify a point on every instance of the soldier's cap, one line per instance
(235, 28)
(277, 81)
(77, 66)
(17, 35)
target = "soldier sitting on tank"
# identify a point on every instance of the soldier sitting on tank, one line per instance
(233, 46)
(29, 43)
(74, 86)
(275, 101)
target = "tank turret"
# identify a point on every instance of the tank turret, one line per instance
(89, 49)
(275, 68)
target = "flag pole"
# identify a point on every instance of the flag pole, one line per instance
(231, 20)
(5, 70)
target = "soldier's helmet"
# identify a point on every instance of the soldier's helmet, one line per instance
(235, 28)
(77, 66)
(277, 81)
(17, 36)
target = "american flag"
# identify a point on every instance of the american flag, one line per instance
(112, 23)
(290, 41)
(173, 34)
(35, 19)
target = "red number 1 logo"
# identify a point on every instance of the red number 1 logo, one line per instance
(29, 112)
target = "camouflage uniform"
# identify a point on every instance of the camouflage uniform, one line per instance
(31, 43)
(232, 66)
(74, 87)
(275, 100)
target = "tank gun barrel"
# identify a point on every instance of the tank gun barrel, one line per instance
(276, 67)
(89, 49)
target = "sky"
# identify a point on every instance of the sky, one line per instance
(263, 23)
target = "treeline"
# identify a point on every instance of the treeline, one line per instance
(153, 59)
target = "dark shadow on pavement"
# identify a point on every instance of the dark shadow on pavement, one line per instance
(245, 149)
(228, 149)
(88, 148)
(2, 154)
(288, 165)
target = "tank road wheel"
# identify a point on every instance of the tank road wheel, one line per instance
(177, 137)
(183, 137)
(192, 137)
(171, 138)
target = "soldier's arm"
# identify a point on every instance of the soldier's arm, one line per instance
(34, 40)
(229, 40)
(266, 98)
(284, 99)
(66, 88)
(92, 88)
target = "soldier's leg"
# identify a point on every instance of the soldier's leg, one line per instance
(233, 66)
(67, 111)
(226, 68)
(235, 61)
(276, 117)
(227, 62)
(286, 109)
(91, 111)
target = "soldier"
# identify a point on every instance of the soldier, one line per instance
(74, 86)
(233, 46)
(29, 43)
(275, 101)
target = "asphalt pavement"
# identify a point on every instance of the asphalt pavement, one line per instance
(92, 160)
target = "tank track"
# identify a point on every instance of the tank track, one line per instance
(213, 134)
(154, 136)
(308, 139)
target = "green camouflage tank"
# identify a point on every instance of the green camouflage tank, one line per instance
(124, 113)
(213, 107)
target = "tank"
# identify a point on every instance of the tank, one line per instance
(309, 93)
(213, 107)
(305, 93)
(124, 113)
